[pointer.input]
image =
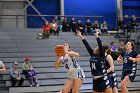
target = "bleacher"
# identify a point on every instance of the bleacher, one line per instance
(16, 44)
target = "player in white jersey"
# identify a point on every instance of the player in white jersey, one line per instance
(75, 73)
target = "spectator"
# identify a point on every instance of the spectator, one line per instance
(96, 27)
(134, 24)
(121, 46)
(112, 46)
(104, 27)
(73, 25)
(2, 67)
(15, 75)
(121, 25)
(31, 74)
(88, 27)
(80, 27)
(25, 66)
(65, 25)
(46, 30)
(54, 28)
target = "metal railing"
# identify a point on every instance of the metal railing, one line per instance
(37, 21)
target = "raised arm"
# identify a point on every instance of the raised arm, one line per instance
(89, 49)
(101, 50)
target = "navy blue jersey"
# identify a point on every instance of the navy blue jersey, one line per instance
(96, 61)
(107, 65)
(129, 66)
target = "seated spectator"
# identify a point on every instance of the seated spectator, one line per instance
(25, 66)
(112, 46)
(31, 74)
(134, 24)
(73, 25)
(46, 30)
(15, 75)
(54, 28)
(121, 25)
(96, 27)
(121, 46)
(65, 25)
(2, 67)
(104, 27)
(88, 27)
(80, 27)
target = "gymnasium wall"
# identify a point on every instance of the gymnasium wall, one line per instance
(45, 7)
(105, 8)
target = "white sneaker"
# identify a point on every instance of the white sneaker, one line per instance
(31, 85)
(37, 85)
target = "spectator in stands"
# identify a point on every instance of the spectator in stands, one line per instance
(57, 20)
(2, 67)
(104, 27)
(121, 25)
(134, 24)
(121, 46)
(15, 75)
(73, 25)
(75, 73)
(129, 58)
(96, 27)
(101, 80)
(65, 25)
(31, 74)
(25, 66)
(113, 46)
(46, 30)
(54, 28)
(80, 27)
(88, 27)
(109, 66)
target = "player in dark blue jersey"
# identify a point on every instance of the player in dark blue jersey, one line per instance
(101, 80)
(109, 66)
(129, 58)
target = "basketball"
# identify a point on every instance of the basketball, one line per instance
(59, 50)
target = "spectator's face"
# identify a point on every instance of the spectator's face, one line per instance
(79, 21)
(31, 67)
(15, 65)
(27, 61)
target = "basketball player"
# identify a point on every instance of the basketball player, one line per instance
(109, 66)
(101, 80)
(75, 73)
(129, 59)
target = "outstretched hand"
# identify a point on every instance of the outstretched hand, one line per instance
(96, 34)
(79, 33)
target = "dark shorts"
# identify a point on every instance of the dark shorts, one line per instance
(100, 84)
(114, 82)
(127, 73)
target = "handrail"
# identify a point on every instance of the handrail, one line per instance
(58, 15)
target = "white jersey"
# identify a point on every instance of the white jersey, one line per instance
(1, 65)
(73, 69)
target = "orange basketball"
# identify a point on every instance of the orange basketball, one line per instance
(59, 50)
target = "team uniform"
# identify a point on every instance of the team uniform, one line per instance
(73, 69)
(129, 66)
(112, 74)
(101, 80)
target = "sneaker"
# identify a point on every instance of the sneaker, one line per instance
(37, 85)
(31, 85)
